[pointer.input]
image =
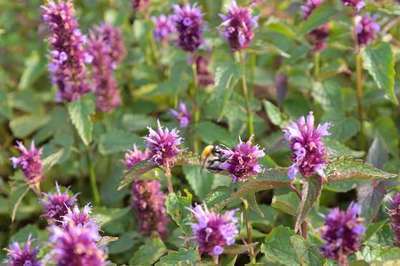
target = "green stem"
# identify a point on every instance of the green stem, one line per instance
(169, 180)
(93, 181)
(196, 108)
(316, 65)
(359, 96)
(245, 89)
(249, 230)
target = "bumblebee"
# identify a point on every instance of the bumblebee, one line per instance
(213, 156)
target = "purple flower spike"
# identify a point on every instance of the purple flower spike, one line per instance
(30, 163)
(308, 150)
(204, 76)
(238, 26)
(318, 37)
(76, 245)
(356, 4)
(394, 213)
(77, 217)
(242, 161)
(309, 6)
(163, 28)
(163, 145)
(342, 233)
(214, 231)
(189, 26)
(68, 57)
(23, 256)
(182, 114)
(366, 29)
(56, 206)
(106, 48)
(148, 201)
(135, 156)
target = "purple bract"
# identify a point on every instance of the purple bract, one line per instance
(318, 37)
(135, 156)
(163, 28)
(22, 256)
(366, 29)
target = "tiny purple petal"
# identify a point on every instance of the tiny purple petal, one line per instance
(394, 213)
(135, 156)
(23, 256)
(182, 114)
(163, 28)
(366, 29)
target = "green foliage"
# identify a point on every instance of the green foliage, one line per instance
(80, 112)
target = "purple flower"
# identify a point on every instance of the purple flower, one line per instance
(366, 29)
(242, 161)
(394, 213)
(30, 163)
(56, 205)
(182, 114)
(106, 48)
(76, 245)
(309, 6)
(148, 201)
(77, 217)
(342, 232)
(163, 145)
(238, 26)
(318, 37)
(23, 256)
(68, 57)
(214, 231)
(140, 5)
(356, 4)
(189, 26)
(135, 156)
(163, 28)
(204, 76)
(308, 150)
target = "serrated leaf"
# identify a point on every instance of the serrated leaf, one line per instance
(25, 125)
(177, 207)
(337, 149)
(319, 16)
(181, 257)
(273, 113)
(287, 203)
(379, 62)
(310, 193)
(135, 173)
(103, 215)
(80, 112)
(387, 130)
(52, 159)
(117, 141)
(33, 69)
(199, 179)
(373, 228)
(218, 195)
(148, 253)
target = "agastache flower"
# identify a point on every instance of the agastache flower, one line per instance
(356, 4)
(204, 76)
(140, 5)
(163, 28)
(68, 56)
(76, 245)
(106, 49)
(213, 231)
(189, 26)
(309, 6)
(135, 156)
(238, 26)
(30, 162)
(77, 217)
(342, 233)
(163, 145)
(366, 29)
(242, 161)
(308, 150)
(394, 213)
(148, 202)
(23, 256)
(56, 205)
(182, 114)
(318, 37)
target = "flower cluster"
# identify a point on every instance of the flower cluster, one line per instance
(56, 205)
(68, 57)
(342, 232)
(182, 115)
(318, 36)
(204, 76)
(309, 6)
(148, 201)
(213, 231)
(106, 48)
(356, 4)
(308, 150)
(163, 28)
(189, 26)
(238, 26)
(135, 156)
(163, 146)
(77, 217)
(242, 161)
(140, 5)
(30, 163)
(394, 213)
(366, 29)
(23, 256)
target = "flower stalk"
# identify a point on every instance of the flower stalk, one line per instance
(93, 181)
(245, 91)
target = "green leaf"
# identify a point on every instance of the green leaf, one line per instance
(199, 179)
(181, 257)
(379, 62)
(319, 16)
(52, 159)
(25, 125)
(337, 149)
(80, 112)
(136, 172)
(177, 207)
(387, 130)
(287, 203)
(283, 247)
(310, 193)
(218, 195)
(373, 228)
(104, 216)
(211, 133)
(117, 141)
(33, 69)
(148, 253)
(124, 243)
(274, 114)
